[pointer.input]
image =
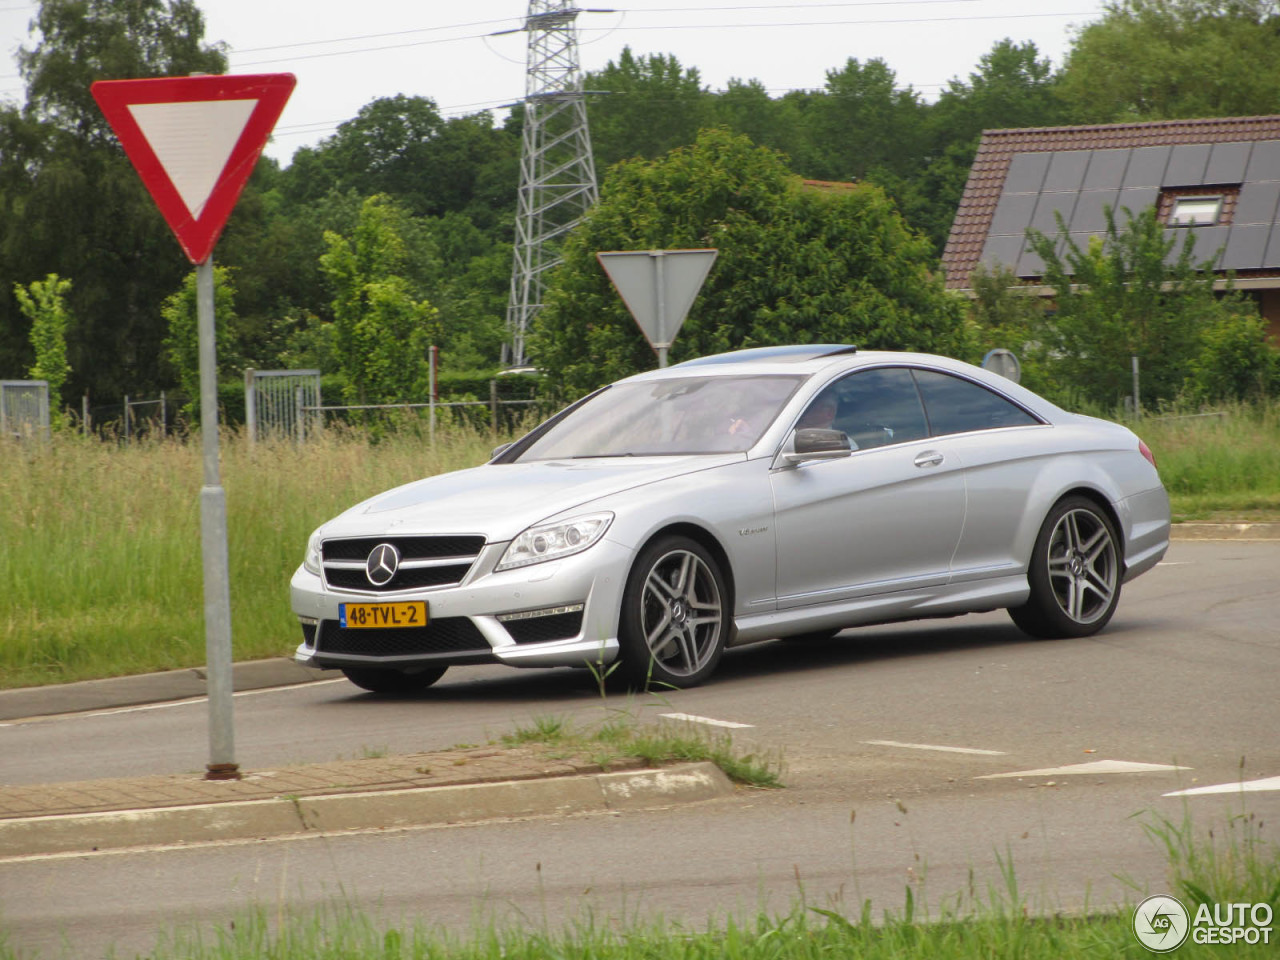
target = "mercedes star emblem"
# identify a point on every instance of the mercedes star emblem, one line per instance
(384, 560)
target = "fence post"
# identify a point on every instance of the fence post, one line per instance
(84, 414)
(250, 406)
(164, 415)
(126, 418)
(433, 358)
(298, 415)
(493, 406)
(1137, 402)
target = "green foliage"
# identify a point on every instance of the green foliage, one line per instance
(43, 302)
(182, 344)
(651, 105)
(1133, 292)
(1236, 361)
(795, 265)
(381, 332)
(1164, 59)
(70, 202)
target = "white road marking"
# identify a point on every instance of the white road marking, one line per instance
(1175, 563)
(1088, 769)
(930, 746)
(1248, 786)
(691, 718)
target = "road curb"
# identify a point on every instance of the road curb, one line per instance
(145, 688)
(381, 809)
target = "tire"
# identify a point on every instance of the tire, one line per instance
(1074, 573)
(675, 616)
(394, 681)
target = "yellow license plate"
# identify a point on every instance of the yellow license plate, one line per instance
(381, 616)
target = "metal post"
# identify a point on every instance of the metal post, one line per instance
(250, 407)
(213, 542)
(84, 414)
(164, 415)
(126, 418)
(493, 407)
(300, 431)
(660, 283)
(1137, 402)
(433, 357)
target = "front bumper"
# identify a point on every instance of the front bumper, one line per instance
(558, 613)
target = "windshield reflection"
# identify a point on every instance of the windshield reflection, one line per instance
(689, 415)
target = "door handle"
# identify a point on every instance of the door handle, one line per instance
(930, 458)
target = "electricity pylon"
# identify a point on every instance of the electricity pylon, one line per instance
(557, 172)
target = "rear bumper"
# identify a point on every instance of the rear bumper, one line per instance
(1147, 526)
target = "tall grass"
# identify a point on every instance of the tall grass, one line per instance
(100, 560)
(100, 552)
(1219, 466)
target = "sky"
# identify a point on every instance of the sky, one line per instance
(346, 54)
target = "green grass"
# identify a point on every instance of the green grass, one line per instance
(1220, 467)
(100, 559)
(622, 735)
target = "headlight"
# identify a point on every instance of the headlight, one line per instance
(311, 560)
(551, 541)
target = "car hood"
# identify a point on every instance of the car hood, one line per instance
(500, 500)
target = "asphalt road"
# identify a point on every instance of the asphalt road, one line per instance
(1184, 679)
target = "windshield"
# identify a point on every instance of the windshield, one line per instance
(667, 417)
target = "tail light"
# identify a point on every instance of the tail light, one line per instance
(1146, 452)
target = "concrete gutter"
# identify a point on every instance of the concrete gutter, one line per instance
(80, 833)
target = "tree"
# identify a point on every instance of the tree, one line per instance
(1166, 59)
(865, 122)
(71, 204)
(44, 304)
(402, 147)
(1134, 292)
(795, 265)
(381, 332)
(648, 106)
(182, 343)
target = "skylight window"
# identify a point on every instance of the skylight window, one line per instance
(1195, 211)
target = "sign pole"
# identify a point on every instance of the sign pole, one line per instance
(194, 142)
(213, 546)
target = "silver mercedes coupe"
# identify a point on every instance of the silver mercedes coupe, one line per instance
(781, 492)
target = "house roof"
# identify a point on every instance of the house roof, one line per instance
(1021, 177)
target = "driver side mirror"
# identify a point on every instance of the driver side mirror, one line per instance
(816, 443)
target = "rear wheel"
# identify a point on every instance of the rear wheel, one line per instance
(675, 615)
(394, 681)
(1074, 573)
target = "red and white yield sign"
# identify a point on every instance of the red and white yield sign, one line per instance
(195, 141)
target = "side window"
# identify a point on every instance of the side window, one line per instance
(873, 407)
(955, 405)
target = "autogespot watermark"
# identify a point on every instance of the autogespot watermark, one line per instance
(1162, 924)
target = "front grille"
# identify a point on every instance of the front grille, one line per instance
(424, 562)
(557, 626)
(446, 635)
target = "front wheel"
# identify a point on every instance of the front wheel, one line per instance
(394, 681)
(675, 615)
(1074, 573)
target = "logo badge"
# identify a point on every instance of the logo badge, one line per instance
(383, 562)
(1161, 923)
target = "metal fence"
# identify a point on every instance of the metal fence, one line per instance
(24, 409)
(278, 402)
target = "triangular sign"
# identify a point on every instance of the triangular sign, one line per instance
(194, 142)
(658, 286)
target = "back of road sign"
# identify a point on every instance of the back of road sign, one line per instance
(658, 287)
(194, 142)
